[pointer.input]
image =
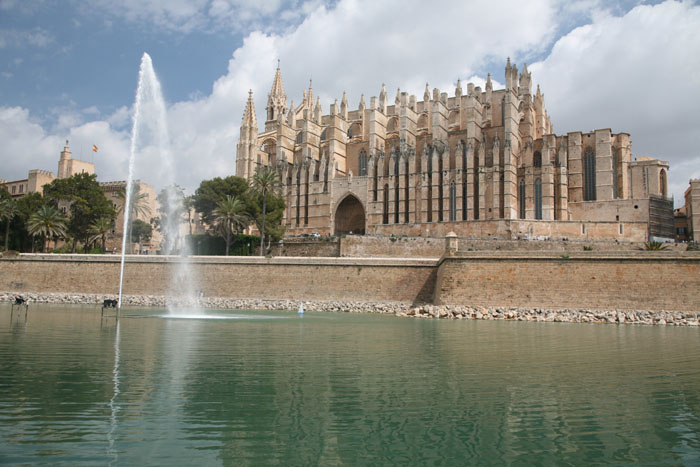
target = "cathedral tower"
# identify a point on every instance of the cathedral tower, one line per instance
(246, 152)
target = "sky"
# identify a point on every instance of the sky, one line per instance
(69, 70)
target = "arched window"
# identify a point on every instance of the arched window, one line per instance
(616, 193)
(350, 133)
(300, 137)
(324, 134)
(538, 199)
(662, 183)
(363, 163)
(589, 184)
(453, 202)
(521, 198)
(537, 159)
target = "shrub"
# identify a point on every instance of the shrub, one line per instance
(653, 245)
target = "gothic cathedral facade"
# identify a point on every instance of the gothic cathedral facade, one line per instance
(483, 164)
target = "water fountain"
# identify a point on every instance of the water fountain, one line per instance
(150, 129)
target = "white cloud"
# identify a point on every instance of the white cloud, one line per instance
(206, 15)
(638, 73)
(634, 73)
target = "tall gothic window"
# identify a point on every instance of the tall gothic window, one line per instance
(300, 136)
(363, 163)
(537, 159)
(385, 219)
(521, 197)
(616, 189)
(589, 175)
(453, 202)
(538, 199)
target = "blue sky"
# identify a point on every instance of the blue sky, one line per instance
(68, 69)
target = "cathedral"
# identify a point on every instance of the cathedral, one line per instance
(484, 163)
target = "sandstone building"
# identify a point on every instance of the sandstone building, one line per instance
(67, 167)
(481, 163)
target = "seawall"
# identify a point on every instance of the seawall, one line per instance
(631, 280)
(356, 279)
(641, 280)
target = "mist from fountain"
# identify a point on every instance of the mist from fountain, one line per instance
(149, 132)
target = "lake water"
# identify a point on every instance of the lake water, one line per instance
(275, 388)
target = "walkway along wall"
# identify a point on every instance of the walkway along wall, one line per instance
(640, 280)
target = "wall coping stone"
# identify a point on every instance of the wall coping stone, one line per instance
(239, 260)
(690, 256)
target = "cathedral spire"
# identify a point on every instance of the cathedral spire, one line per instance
(249, 119)
(310, 95)
(344, 106)
(382, 99)
(277, 99)
(426, 94)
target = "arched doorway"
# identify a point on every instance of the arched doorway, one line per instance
(350, 217)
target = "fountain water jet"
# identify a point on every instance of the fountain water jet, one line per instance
(150, 128)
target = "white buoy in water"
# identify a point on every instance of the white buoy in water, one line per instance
(301, 309)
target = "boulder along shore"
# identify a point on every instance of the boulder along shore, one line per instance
(400, 309)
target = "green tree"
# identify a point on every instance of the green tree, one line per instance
(231, 216)
(141, 231)
(99, 229)
(20, 238)
(265, 182)
(87, 203)
(210, 193)
(47, 222)
(8, 210)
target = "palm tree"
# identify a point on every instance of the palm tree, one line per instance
(139, 205)
(264, 180)
(47, 222)
(8, 210)
(230, 216)
(98, 230)
(139, 202)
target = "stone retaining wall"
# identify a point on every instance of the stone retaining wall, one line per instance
(357, 279)
(623, 280)
(632, 280)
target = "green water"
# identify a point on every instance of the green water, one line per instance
(264, 388)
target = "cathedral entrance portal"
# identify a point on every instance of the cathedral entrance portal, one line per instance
(350, 217)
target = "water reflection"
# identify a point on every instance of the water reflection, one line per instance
(344, 389)
(112, 402)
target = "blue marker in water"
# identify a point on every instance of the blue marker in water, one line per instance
(301, 309)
